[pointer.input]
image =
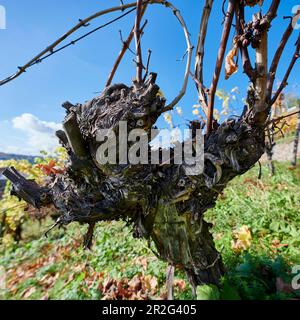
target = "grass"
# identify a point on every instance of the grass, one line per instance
(120, 267)
(288, 138)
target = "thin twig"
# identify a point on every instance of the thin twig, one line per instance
(73, 42)
(57, 223)
(246, 62)
(214, 262)
(201, 50)
(273, 69)
(288, 72)
(219, 63)
(183, 57)
(126, 45)
(272, 12)
(223, 8)
(137, 35)
(260, 171)
(14, 207)
(147, 66)
(142, 30)
(189, 58)
(277, 120)
(51, 47)
(166, 4)
(203, 89)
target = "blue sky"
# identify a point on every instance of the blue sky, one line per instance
(30, 107)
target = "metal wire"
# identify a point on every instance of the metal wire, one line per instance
(71, 43)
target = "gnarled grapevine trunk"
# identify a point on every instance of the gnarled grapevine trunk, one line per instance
(163, 202)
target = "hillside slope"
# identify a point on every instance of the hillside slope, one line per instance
(256, 227)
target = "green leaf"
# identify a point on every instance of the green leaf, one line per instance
(275, 226)
(229, 292)
(208, 292)
(80, 277)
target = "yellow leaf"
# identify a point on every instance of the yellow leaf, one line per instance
(160, 94)
(216, 114)
(168, 119)
(225, 104)
(242, 239)
(179, 111)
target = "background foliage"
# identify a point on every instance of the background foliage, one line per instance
(255, 226)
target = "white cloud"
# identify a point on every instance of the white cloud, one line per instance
(39, 135)
(32, 124)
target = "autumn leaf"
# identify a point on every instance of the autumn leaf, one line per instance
(276, 244)
(231, 66)
(112, 293)
(142, 261)
(135, 283)
(50, 168)
(107, 284)
(180, 284)
(150, 284)
(242, 239)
